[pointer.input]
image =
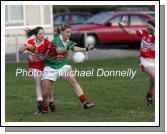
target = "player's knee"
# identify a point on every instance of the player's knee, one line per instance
(73, 82)
(46, 93)
(152, 81)
(46, 90)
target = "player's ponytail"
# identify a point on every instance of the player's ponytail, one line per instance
(58, 29)
(30, 32)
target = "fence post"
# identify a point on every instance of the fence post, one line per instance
(17, 53)
(86, 45)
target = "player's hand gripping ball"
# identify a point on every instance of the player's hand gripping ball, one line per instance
(30, 47)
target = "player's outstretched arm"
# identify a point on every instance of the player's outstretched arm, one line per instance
(128, 31)
(28, 47)
(22, 49)
(74, 48)
(61, 50)
(79, 49)
(58, 49)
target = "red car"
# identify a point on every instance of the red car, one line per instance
(104, 29)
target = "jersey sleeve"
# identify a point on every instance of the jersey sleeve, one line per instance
(29, 42)
(54, 44)
(47, 44)
(55, 41)
(140, 33)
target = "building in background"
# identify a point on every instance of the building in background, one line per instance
(18, 17)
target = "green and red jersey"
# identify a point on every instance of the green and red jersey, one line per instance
(55, 60)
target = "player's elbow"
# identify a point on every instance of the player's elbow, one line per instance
(61, 50)
(21, 50)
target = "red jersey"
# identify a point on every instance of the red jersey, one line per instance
(147, 44)
(36, 59)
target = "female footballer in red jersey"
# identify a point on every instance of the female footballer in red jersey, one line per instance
(37, 47)
(147, 54)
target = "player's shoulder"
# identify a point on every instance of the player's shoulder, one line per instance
(31, 41)
(142, 32)
(46, 41)
(56, 40)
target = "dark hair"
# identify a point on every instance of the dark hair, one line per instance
(63, 27)
(30, 32)
(151, 22)
(58, 29)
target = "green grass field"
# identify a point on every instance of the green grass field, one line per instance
(116, 99)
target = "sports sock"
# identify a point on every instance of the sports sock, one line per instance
(40, 105)
(149, 94)
(51, 103)
(83, 99)
(40, 102)
(45, 109)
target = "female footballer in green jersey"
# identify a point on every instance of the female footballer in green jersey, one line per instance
(56, 65)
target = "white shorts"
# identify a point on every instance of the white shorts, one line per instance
(147, 62)
(35, 72)
(52, 74)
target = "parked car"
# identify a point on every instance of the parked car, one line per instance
(71, 18)
(138, 9)
(104, 29)
(152, 13)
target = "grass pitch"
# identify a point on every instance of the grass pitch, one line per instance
(116, 99)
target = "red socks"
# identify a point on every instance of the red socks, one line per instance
(83, 99)
(149, 94)
(45, 109)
